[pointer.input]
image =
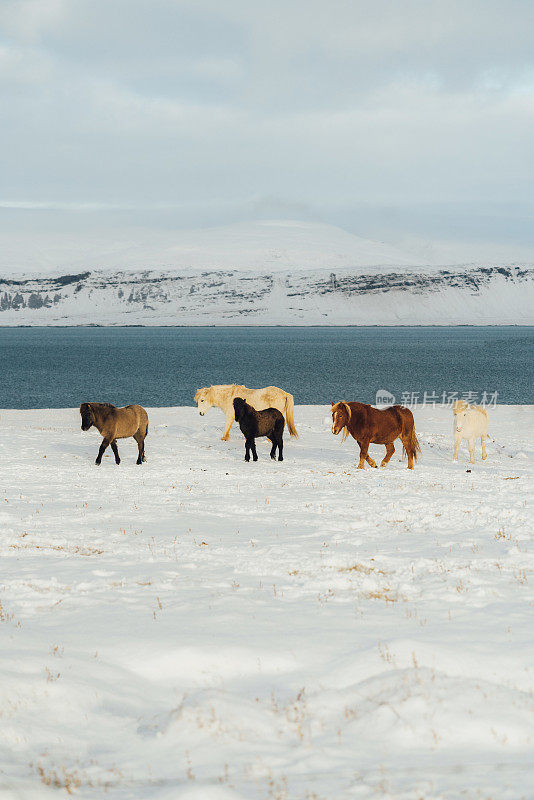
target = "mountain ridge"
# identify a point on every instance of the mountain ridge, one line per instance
(451, 295)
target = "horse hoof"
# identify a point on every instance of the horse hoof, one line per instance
(97, 463)
(280, 458)
(118, 462)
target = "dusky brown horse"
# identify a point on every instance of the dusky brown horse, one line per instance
(116, 423)
(268, 422)
(377, 426)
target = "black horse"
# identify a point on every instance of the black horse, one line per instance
(269, 423)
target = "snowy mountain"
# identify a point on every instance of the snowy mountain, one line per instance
(273, 245)
(477, 295)
(272, 273)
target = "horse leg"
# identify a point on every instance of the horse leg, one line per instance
(247, 449)
(280, 447)
(483, 442)
(370, 461)
(140, 439)
(457, 441)
(253, 448)
(115, 451)
(364, 446)
(471, 443)
(105, 443)
(228, 424)
(273, 448)
(390, 449)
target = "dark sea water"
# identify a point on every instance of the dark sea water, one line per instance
(62, 367)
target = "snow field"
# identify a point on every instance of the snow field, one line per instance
(199, 627)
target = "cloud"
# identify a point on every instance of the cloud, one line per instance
(202, 106)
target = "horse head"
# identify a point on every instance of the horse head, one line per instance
(88, 416)
(203, 399)
(239, 408)
(341, 414)
(460, 409)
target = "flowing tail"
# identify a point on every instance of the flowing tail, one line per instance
(289, 416)
(412, 446)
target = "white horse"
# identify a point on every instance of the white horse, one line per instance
(469, 423)
(222, 396)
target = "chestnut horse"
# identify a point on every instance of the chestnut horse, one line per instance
(371, 425)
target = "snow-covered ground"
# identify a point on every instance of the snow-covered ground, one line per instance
(206, 629)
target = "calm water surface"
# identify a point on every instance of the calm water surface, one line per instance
(61, 367)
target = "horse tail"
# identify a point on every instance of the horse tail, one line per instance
(289, 416)
(410, 442)
(414, 448)
(146, 429)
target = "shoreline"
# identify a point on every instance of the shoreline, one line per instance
(311, 325)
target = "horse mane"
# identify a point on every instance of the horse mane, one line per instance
(349, 415)
(463, 405)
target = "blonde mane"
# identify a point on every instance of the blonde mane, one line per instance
(348, 412)
(463, 405)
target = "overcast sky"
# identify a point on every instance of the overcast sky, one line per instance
(408, 117)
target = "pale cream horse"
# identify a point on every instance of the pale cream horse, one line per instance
(222, 396)
(470, 422)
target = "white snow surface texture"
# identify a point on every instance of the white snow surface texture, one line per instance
(207, 629)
